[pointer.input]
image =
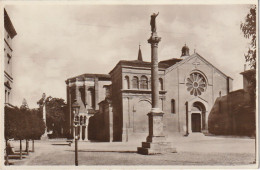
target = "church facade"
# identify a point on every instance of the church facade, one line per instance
(189, 86)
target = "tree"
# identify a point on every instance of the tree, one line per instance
(14, 125)
(55, 114)
(37, 127)
(249, 30)
(23, 123)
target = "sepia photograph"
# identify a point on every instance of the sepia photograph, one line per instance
(129, 84)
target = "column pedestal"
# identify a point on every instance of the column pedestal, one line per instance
(156, 141)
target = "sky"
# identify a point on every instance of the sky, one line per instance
(56, 42)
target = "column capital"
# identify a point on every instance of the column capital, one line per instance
(154, 40)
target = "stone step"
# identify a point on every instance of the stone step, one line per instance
(156, 139)
(156, 145)
(149, 151)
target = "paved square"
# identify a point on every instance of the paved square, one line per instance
(194, 150)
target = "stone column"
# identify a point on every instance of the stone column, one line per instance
(154, 40)
(189, 126)
(44, 117)
(86, 93)
(155, 141)
(44, 112)
(86, 133)
(206, 122)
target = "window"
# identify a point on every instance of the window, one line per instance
(85, 118)
(8, 58)
(144, 82)
(126, 82)
(81, 120)
(135, 82)
(172, 106)
(161, 83)
(196, 84)
(91, 98)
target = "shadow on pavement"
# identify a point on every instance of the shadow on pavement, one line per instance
(102, 151)
(61, 144)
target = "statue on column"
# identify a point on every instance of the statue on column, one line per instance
(153, 22)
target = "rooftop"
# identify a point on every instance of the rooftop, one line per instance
(89, 75)
(137, 63)
(170, 62)
(8, 25)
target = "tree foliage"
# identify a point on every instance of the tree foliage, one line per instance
(23, 123)
(55, 113)
(249, 30)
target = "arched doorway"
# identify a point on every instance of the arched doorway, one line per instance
(140, 111)
(197, 117)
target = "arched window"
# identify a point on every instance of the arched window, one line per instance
(91, 98)
(144, 82)
(161, 83)
(85, 118)
(172, 106)
(135, 82)
(76, 120)
(126, 83)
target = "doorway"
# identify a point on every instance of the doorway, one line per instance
(196, 122)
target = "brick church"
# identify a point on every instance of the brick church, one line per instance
(114, 106)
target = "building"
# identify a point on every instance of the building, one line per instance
(116, 104)
(235, 113)
(88, 90)
(9, 34)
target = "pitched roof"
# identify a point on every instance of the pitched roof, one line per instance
(137, 63)
(193, 56)
(170, 62)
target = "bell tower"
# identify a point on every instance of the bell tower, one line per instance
(185, 51)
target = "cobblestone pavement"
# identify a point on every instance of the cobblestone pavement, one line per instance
(193, 150)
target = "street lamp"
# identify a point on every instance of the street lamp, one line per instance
(75, 108)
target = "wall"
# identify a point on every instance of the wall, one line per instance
(99, 127)
(176, 78)
(233, 114)
(8, 66)
(137, 104)
(116, 78)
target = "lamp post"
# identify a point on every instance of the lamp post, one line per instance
(75, 108)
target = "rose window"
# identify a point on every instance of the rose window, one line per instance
(196, 84)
